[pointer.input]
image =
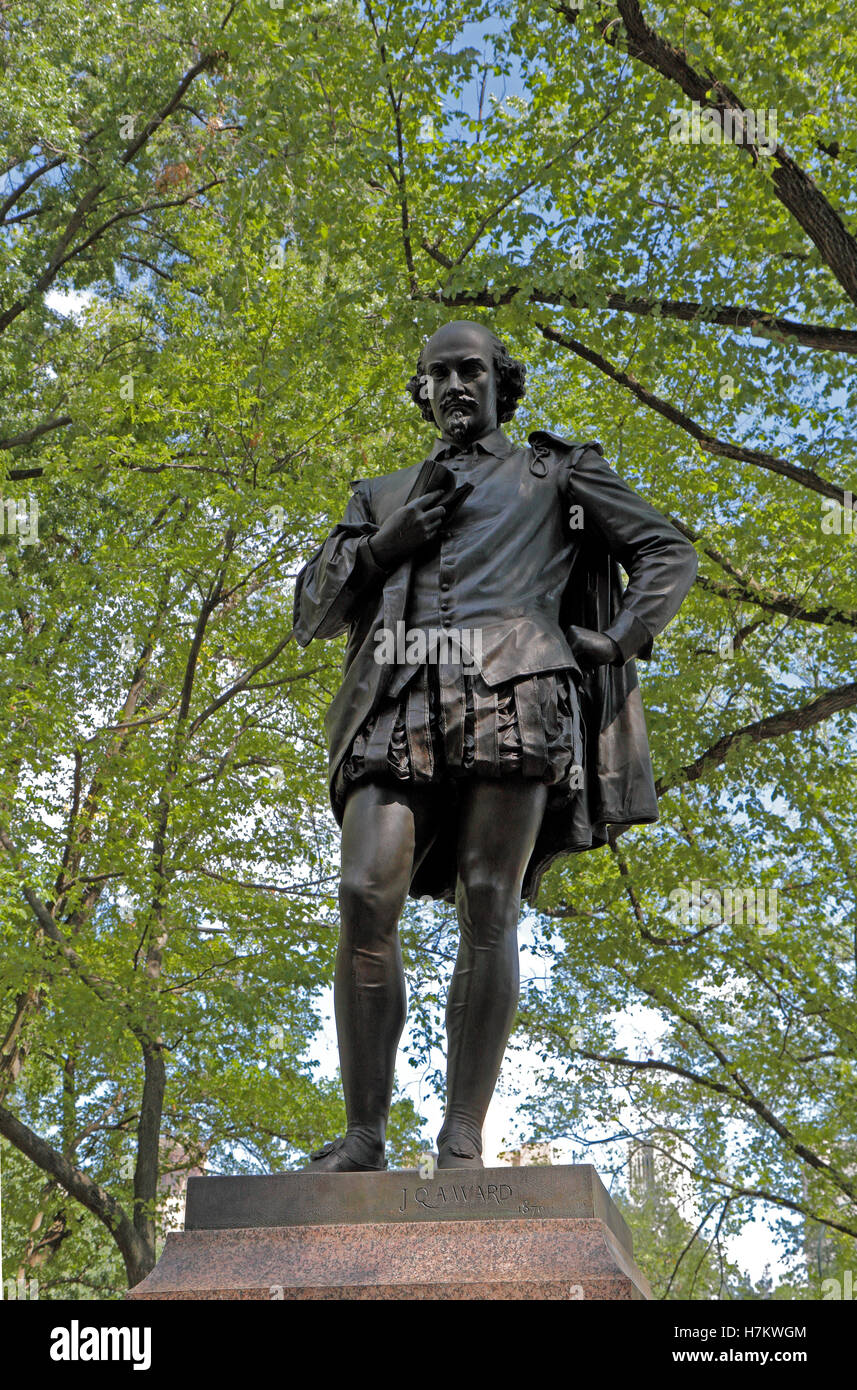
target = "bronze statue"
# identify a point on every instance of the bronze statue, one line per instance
(489, 716)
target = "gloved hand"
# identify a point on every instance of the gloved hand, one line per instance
(592, 648)
(406, 529)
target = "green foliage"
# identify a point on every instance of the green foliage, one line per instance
(679, 1262)
(266, 210)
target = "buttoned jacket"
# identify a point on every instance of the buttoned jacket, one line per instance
(534, 548)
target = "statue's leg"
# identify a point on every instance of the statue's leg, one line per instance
(498, 827)
(387, 829)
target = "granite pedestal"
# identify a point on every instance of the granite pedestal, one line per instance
(497, 1233)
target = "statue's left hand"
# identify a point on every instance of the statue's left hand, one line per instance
(591, 648)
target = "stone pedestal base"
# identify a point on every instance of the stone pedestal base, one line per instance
(502, 1233)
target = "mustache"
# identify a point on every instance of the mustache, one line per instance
(450, 402)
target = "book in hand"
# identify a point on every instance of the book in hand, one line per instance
(435, 476)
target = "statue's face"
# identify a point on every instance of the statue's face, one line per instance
(461, 382)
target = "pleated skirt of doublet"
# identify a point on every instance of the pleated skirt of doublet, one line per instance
(447, 724)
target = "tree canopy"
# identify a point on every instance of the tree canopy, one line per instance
(225, 231)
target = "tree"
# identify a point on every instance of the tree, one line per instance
(169, 914)
(268, 209)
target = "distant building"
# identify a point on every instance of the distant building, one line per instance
(822, 1251)
(176, 1168)
(656, 1172)
(530, 1156)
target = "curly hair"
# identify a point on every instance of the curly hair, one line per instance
(509, 373)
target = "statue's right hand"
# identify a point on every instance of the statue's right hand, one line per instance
(407, 528)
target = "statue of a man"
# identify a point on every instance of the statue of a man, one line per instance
(489, 716)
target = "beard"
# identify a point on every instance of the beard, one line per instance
(458, 422)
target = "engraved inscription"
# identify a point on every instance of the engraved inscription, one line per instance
(459, 1196)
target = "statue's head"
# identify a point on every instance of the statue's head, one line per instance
(466, 382)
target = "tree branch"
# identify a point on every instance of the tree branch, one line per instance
(719, 447)
(104, 989)
(761, 322)
(13, 440)
(748, 1096)
(787, 721)
(137, 1255)
(792, 186)
(748, 590)
(28, 183)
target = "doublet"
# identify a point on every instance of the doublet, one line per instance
(534, 548)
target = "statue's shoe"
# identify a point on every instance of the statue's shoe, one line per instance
(334, 1158)
(458, 1151)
